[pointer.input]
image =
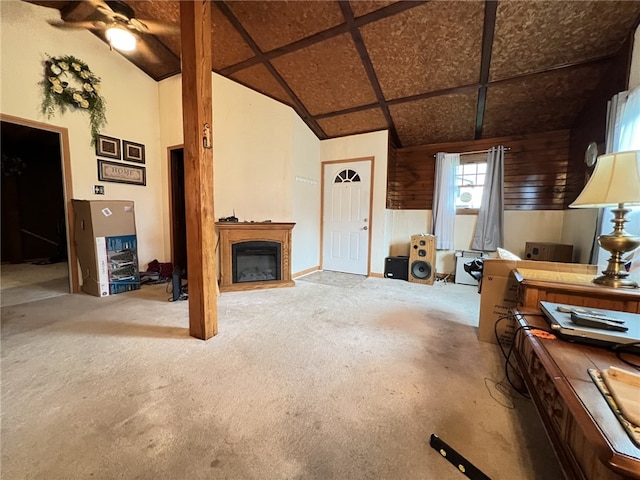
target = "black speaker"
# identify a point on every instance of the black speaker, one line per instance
(176, 284)
(397, 268)
(421, 270)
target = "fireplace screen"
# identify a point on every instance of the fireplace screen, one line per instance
(256, 261)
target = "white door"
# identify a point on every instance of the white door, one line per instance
(346, 225)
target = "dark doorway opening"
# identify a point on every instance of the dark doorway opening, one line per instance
(178, 212)
(33, 218)
(33, 214)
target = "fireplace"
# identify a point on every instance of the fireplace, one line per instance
(254, 255)
(256, 261)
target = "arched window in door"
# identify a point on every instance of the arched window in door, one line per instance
(347, 175)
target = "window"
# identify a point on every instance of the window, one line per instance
(347, 176)
(470, 181)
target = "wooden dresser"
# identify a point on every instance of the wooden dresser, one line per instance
(535, 286)
(588, 439)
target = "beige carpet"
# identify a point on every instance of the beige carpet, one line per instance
(309, 382)
(26, 282)
(334, 279)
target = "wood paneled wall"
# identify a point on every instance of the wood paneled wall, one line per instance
(590, 124)
(536, 171)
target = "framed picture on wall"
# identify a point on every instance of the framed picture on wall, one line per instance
(132, 152)
(108, 147)
(121, 173)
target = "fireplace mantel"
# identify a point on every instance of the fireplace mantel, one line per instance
(231, 233)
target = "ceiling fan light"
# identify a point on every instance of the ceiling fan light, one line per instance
(121, 39)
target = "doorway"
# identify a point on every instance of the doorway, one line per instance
(346, 215)
(178, 211)
(35, 249)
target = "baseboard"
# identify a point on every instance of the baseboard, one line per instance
(316, 268)
(305, 272)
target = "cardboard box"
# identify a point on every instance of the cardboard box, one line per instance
(106, 244)
(500, 290)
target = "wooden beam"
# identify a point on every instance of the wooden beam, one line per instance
(299, 107)
(488, 29)
(388, 11)
(195, 23)
(347, 13)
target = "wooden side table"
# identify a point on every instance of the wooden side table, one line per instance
(587, 437)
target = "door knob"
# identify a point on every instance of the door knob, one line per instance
(365, 228)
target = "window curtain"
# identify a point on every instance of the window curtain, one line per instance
(623, 134)
(444, 200)
(489, 234)
(614, 114)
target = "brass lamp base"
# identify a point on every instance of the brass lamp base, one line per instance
(615, 282)
(617, 242)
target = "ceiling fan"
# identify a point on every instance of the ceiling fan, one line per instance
(113, 20)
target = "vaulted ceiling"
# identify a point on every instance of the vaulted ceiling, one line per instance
(430, 72)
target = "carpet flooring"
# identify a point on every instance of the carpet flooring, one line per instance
(334, 279)
(26, 282)
(314, 381)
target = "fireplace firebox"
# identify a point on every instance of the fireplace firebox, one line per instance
(254, 255)
(255, 261)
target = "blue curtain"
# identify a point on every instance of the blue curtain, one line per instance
(444, 200)
(489, 234)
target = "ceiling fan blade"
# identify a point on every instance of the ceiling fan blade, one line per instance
(158, 28)
(98, 4)
(74, 25)
(101, 6)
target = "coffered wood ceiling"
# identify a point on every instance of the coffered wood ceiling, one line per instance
(430, 72)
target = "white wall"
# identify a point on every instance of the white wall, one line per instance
(306, 198)
(520, 227)
(253, 154)
(359, 146)
(132, 109)
(578, 229)
(259, 147)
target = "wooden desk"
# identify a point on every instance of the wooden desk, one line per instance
(586, 435)
(535, 286)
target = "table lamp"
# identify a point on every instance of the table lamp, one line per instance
(615, 183)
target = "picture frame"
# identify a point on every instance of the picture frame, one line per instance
(132, 152)
(121, 173)
(108, 147)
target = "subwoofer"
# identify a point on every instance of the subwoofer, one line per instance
(422, 259)
(396, 267)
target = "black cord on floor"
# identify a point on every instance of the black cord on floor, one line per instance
(507, 355)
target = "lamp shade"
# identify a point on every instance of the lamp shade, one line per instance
(615, 180)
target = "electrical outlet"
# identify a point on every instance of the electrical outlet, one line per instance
(98, 189)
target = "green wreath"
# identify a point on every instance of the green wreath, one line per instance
(83, 95)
